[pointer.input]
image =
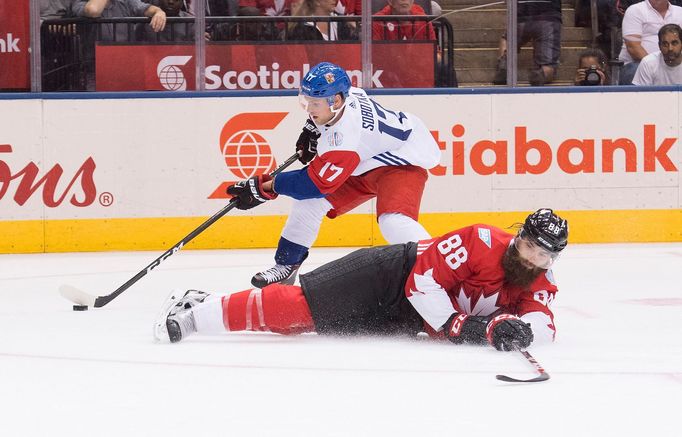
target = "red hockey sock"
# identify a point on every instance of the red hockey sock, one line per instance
(277, 308)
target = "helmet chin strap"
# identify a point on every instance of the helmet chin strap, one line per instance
(336, 112)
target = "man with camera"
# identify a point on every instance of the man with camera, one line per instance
(662, 68)
(591, 69)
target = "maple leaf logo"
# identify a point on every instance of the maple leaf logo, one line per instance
(484, 305)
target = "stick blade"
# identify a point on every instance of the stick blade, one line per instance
(76, 295)
(539, 378)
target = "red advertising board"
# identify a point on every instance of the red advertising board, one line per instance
(14, 43)
(257, 67)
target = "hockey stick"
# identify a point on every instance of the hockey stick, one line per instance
(82, 298)
(544, 376)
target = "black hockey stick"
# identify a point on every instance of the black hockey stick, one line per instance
(543, 375)
(84, 299)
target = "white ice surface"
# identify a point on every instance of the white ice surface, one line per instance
(616, 367)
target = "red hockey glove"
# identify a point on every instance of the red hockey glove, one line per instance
(249, 193)
(507, 332)
(306, 145)
(463, 328)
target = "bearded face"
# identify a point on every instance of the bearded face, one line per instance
(518, 271)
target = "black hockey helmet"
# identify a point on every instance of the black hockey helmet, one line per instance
(546, 229)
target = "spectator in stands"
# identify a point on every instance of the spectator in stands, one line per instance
(641, 23)
(54, 9)
(608, 20)
(319, 30)
(591, 68)
(59, 70)
(663, 67)
(539, 22)
(257, 31)
(120, 8)
(188, 6)
(349, 7)
(402, 30)
(173, 31)
(270, 8)
(222, 8)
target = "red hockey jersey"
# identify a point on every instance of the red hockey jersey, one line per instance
(461, 271)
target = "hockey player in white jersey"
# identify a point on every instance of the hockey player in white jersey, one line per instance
(356, 150)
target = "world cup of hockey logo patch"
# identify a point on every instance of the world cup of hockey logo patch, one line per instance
(484, 235)
(329, 77)
(335, 139)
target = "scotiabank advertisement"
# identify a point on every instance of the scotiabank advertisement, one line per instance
(14, 44)
(115, 171)
(257, 67)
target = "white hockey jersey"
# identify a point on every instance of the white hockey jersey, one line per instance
(368, 136)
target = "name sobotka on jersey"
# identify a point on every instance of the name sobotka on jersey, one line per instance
(369, 136)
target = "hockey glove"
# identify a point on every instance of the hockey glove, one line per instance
(463, 328)
(306, 145)
(249, 193)
(507, 332)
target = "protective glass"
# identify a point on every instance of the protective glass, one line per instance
(536, 255)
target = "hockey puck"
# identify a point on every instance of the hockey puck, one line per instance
(80, 307)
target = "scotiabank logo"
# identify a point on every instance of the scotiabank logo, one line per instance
(648, 153)
(170, 75)
(272, 76)
(262, 77)
(80, 190)
(246, 152)
(9, 44)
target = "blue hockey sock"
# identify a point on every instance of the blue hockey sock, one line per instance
(289, 253)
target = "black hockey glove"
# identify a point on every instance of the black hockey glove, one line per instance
(306, 145)
(249, 193)
(507, 332)
(463, 328)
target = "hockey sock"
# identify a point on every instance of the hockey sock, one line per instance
(277, 308)
(289, 253)
(305, 218)
(208, 315)
(398, 228)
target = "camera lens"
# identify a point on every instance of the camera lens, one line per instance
(592, 77)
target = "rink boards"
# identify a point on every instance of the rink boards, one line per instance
(140, 171)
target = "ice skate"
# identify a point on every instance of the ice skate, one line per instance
(280, 273)
(176, 321)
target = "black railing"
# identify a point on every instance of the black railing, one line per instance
(63, 59)
(68, 45)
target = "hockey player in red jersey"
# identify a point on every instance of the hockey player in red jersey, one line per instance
(357, 150)
(476, 285)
